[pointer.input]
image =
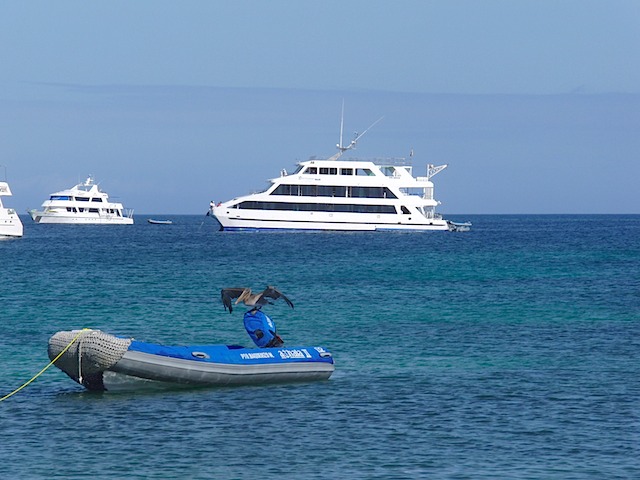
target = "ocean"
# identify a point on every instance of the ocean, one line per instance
(510, 351)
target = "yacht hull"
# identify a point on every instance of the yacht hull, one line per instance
(10, 223)
(10, 226)
(42, 217)
(329, 222)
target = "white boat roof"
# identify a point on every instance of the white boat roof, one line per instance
(89, 186)
(400, 167)
(338, 159)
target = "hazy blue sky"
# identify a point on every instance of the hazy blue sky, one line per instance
(534, 104)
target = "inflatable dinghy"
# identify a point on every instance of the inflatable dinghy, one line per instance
(103, 362)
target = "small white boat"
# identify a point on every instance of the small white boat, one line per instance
(84, 203)
(159, 222)
(103, 362)
(459, 227)
(10, 224)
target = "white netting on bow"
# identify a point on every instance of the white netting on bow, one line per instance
(93, 351)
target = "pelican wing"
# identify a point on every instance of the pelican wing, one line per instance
(228, 294)
(273, 292)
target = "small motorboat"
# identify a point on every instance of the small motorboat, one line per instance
(459, 227)
(159, 222)
(103, 362)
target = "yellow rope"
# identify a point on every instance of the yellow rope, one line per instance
(45, 368)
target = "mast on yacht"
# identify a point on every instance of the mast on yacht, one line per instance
(340, 146)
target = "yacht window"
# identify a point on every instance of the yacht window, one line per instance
(282, 190)
(69, 209)
(367, 192)
(80, 209)
(405, 210)
(93, 210)
(376, 192)
(356, 192)
(59, 197)
(317, 207)
(331, 191)
(324, 170)
(364, 172)
(314, 190)
(333, 171)
(312, 170)
(96, 199)
(82, 199)
(370, 192)
(346, 171)
(309, 190)
(339, 192)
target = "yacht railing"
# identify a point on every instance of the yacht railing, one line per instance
(422, 192)
(391, 161)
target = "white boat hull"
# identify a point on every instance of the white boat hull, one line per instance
(10, 223)
(10, 229)
(257, 220)
(48, 217)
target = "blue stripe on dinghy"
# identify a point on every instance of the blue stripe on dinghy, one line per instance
(218, 352)
(234, 354)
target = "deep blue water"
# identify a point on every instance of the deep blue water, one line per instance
(510, 351)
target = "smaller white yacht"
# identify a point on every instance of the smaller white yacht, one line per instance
(10, 224)
(84, 203)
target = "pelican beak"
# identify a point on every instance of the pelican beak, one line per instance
(241, 297)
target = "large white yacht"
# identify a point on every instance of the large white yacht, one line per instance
(10, 224)
(84, 203)
(339, 194)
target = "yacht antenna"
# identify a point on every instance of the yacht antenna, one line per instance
(339, 145)
(357, 136)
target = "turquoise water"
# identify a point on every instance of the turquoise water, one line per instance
(510, 351)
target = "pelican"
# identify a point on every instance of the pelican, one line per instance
(244, 294)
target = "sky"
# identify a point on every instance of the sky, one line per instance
(533, 104)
